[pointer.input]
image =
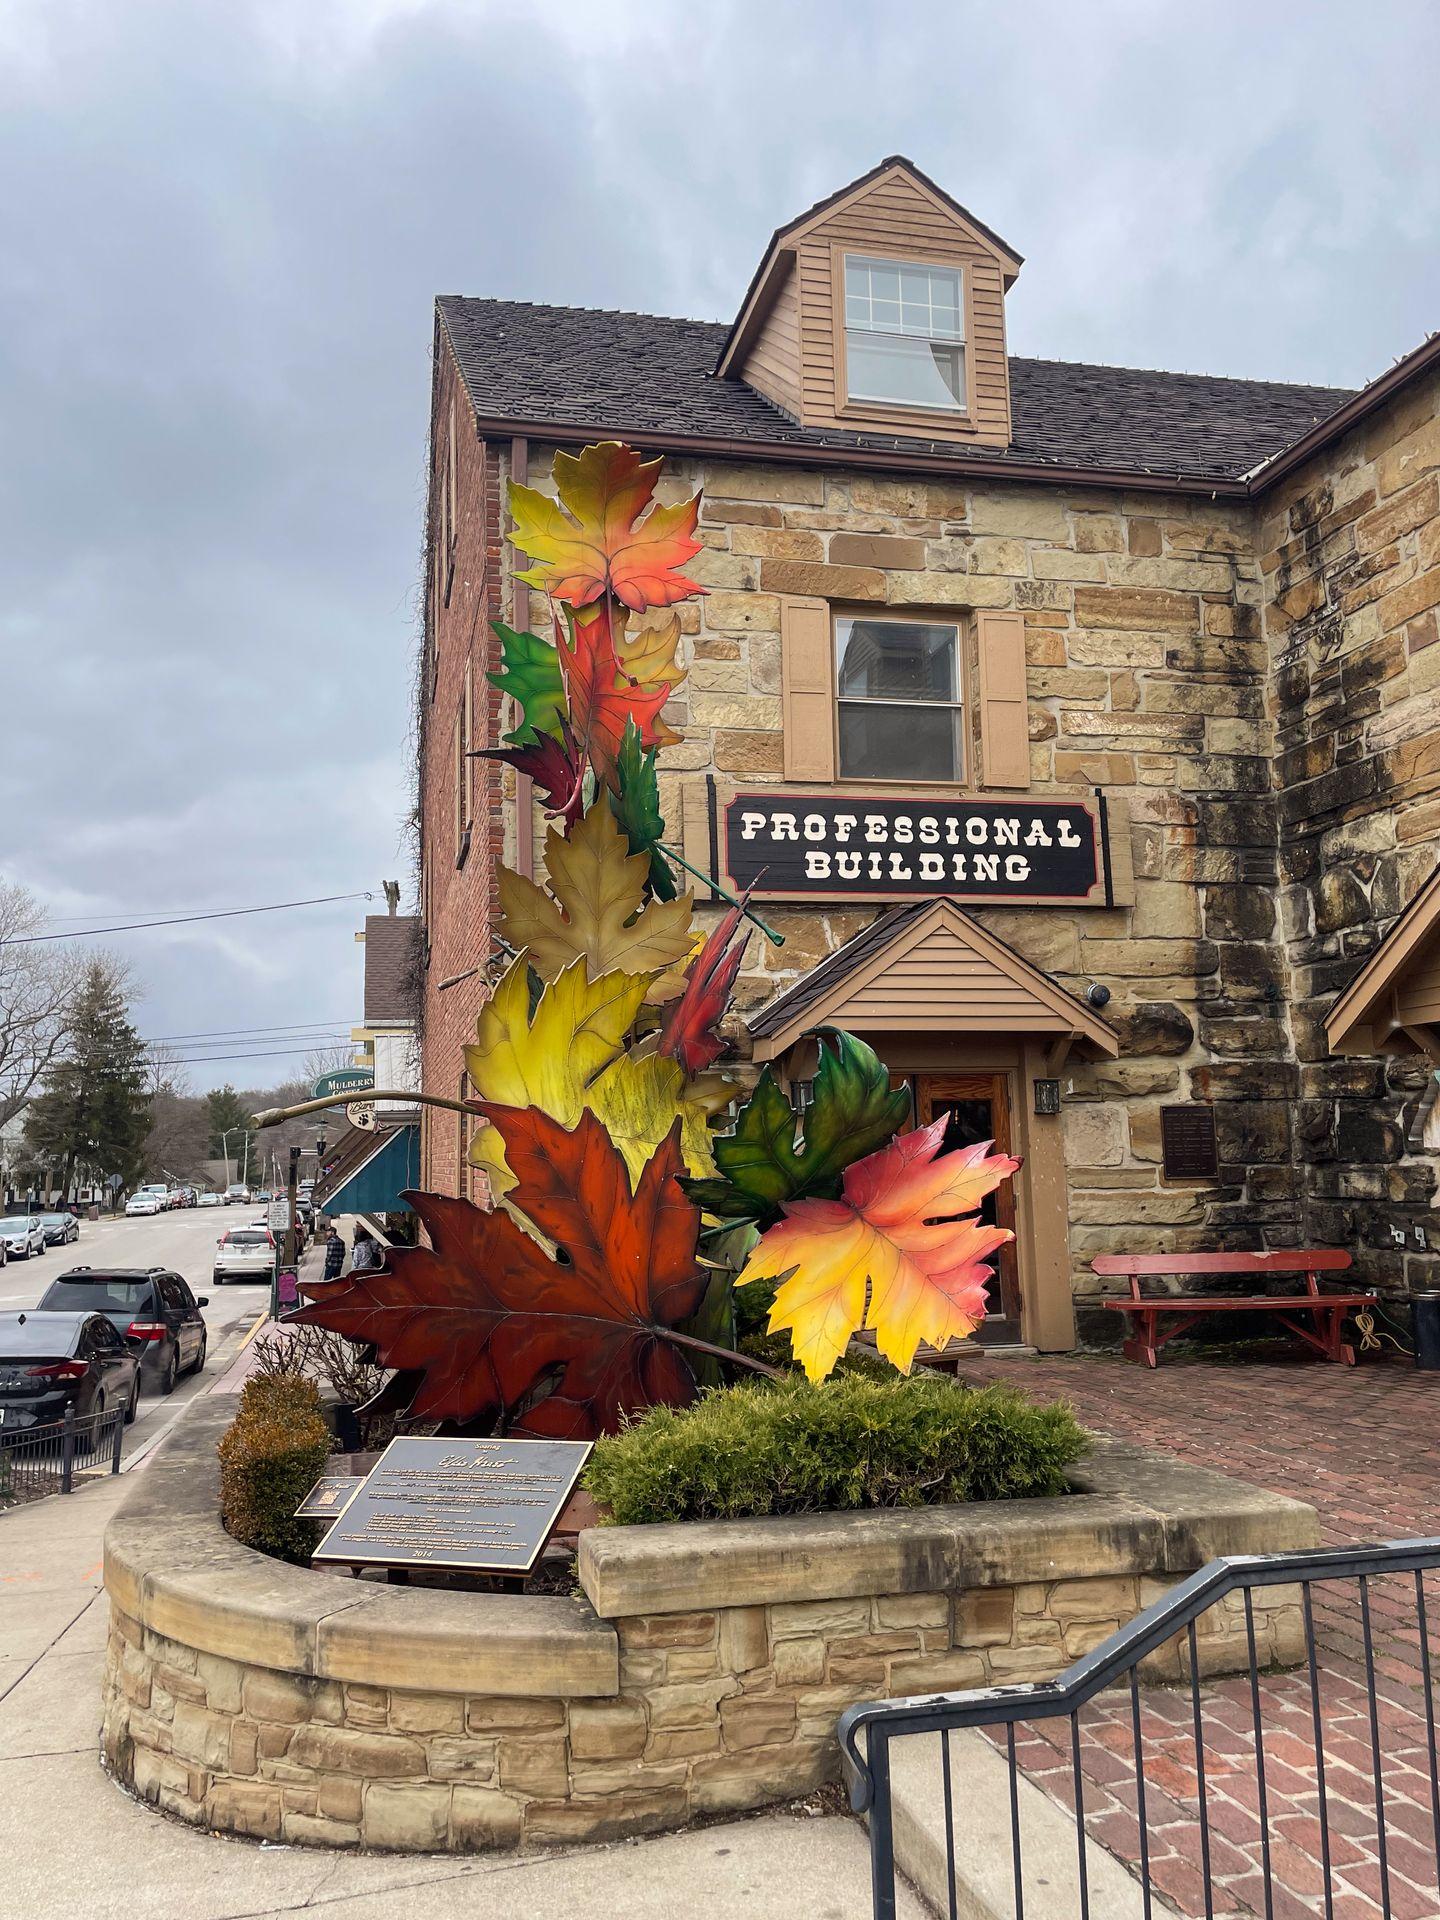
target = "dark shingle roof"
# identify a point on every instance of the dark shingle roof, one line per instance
(640, 373)
(390, 950)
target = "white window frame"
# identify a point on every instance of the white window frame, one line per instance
(959, 340)
(956, 707)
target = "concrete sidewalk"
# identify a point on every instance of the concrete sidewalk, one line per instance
(74, 1847)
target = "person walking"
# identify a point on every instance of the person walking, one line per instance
(365, 1253)
(334, 1253)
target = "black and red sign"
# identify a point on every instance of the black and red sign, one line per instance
(856, 847)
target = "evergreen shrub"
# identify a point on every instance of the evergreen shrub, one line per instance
(271, 1455)
(851, 1441)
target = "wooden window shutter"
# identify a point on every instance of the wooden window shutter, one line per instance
(1003, 708)
(807, 678)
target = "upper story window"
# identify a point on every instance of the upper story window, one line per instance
(904, 333)
(898, 684)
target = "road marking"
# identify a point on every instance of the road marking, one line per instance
(264, 1316)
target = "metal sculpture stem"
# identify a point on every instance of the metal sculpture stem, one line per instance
(272, 1116)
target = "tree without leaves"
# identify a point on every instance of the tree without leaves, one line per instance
(38, 985)
(93, 1117)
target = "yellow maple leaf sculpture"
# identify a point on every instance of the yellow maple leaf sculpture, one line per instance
(570, 1055)
(595, 908)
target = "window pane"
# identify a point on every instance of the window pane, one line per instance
(915, 285)
(895, 660)
(906, 371)
(899, 743)
(885, 282)
(857, 278)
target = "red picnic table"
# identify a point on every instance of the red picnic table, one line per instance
(1312, 1316)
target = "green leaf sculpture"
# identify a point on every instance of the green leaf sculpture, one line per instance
(530, 674)
(635, 802)
(776, 1155)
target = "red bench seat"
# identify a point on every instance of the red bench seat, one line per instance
(1312, 1316)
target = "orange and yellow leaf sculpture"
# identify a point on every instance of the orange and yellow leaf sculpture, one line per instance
(592, 542)
(573, 1303)
(890, 1254)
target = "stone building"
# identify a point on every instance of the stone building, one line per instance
(1078, 721)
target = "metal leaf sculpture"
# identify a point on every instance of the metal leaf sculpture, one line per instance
(500, 1333)
(573, 1304)
(901, 1252)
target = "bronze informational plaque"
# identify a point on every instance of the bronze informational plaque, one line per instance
(330, 1495)
(1187, 1143)
(478, 1506)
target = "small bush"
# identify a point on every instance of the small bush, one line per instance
(271, 1454)
(852, 1441)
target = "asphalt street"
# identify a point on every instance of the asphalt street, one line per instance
(183, 1241)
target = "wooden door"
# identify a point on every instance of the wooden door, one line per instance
(977, 1106)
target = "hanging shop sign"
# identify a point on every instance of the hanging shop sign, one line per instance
(343, 1080)
(801, 846)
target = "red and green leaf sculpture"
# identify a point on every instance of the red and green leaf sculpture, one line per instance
(574, 1303)
(500, 1332)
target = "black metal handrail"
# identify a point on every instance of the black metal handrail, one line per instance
(35, 1461)
(1118, 1659)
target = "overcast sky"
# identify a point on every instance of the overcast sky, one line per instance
(221, 232)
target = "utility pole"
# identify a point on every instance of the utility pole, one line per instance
(291, 1182)
(225, 1152)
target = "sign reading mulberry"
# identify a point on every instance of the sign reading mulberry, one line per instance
(834, 846)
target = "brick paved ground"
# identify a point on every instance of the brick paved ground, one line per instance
(1361, 1447)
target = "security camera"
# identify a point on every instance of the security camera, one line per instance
(1097, 994)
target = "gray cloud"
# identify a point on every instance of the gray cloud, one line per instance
(222, 230)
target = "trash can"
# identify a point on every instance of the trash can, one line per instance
(1425, 1321)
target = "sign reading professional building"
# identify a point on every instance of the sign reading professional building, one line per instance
(848, 847)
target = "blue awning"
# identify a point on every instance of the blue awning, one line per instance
(381, 1177)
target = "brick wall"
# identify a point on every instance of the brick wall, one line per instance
(1350, 552)
(458, 901)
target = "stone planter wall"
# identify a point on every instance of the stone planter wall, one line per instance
(703, 1673)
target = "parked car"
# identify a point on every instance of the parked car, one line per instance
(49, 1361)
(152, 1308)
(209, 1200)
(264, 1197)
(244, 1253)
(22, 1234)
(60, 1228)
(142, 1203)
(237, 1193)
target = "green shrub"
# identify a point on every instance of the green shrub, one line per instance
(271, 1454)
(852, 1441)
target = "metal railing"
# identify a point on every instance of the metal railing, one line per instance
(35, 1461)
(868, 1731)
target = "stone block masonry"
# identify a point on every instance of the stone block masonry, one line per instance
(703, 1672)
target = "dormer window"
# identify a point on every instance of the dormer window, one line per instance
(904, 333)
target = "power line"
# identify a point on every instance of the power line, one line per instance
(185, 919)
(325, 1043)
(244, 1033)
(210, 1059)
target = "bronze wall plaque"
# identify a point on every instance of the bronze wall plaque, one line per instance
(329, 1496)
(1187, 1143)
(479, 1506)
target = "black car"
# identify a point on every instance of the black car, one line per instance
(152, 1308)
(60, 1228)
(49, 1361)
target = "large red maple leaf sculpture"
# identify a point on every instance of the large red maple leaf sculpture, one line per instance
(490, 1320)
